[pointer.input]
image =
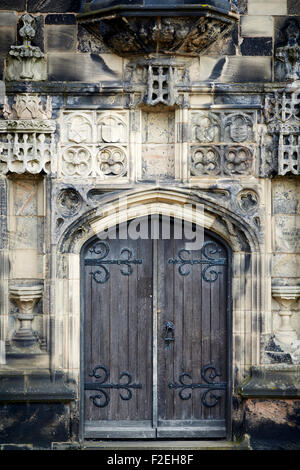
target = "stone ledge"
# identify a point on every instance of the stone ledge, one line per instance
(153, 445)
(274, 381)
(34, 387)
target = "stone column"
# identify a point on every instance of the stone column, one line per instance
(286, 296)
(26, 299)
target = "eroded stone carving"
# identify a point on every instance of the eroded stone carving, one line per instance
(112, 161)
(248, 201)
(206, 128)
(76, 161)
(163, 79)
(79, 129)
(69, 202)
(238, 160)
(222, 127)
(289, 54)
(91, 157)
(27, 136)
(216, 160)
(282, 114)
(112, 129)
(143, 32)
(286, 296)
(205, 161)
(27, 106)
(26, 62)
(239, 127)
(26, 299)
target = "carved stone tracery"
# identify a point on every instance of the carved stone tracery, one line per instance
(27, 136)
(282, 114)
(94, 144)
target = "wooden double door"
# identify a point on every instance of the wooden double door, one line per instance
(156, 338)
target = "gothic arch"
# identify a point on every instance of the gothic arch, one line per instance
(116, 208)
(249, 269)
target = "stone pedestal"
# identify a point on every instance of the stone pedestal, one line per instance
(26, 299)
(286, 296)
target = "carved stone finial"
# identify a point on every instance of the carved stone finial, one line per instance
(290, 53)
(26, 62)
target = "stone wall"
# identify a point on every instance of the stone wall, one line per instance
(80, 127)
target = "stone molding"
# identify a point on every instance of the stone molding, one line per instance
(272, 381)
(245, 258)
(38, 386)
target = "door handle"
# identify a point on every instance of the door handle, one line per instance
(169, 333)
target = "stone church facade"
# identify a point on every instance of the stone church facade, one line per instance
(114, 112)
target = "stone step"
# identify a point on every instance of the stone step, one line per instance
(165, 445)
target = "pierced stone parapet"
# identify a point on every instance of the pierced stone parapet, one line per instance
(281, 155)
(26, 298)
(26, 62)
(27, 140)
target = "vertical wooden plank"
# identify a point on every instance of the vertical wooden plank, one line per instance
(206, 329)
(188, 335)
(196, 300)
(156, 312)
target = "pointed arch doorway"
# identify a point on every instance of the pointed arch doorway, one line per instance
(156, 329)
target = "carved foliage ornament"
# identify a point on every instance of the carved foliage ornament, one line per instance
(27, 106)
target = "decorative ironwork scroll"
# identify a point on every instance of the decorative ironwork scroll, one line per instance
(102, 399)
(209, 248)
(102, 275)
(209, 385)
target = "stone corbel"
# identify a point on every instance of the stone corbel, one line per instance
(286, 297)
(26, 298)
